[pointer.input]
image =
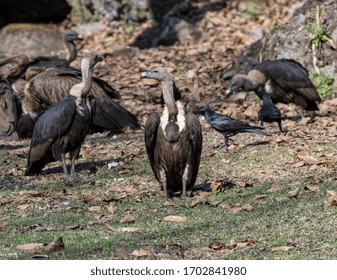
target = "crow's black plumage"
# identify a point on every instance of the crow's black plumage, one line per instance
(285, 80)
(269, 112)
(226, 125)
(173, 140)
(63, 126)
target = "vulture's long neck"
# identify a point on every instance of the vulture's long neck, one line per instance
(72, 51)
(168, 97)
(86, 78)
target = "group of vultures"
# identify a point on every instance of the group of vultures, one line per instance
(56, 105)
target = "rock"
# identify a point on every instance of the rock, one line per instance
(33, 11)
(31, 39)
(89, 27)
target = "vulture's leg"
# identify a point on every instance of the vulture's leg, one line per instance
(63, 160)
(72, 170)
(261, 123)
(185, 179)
(163, 181)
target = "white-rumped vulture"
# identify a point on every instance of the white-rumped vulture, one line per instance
(53, 84)
(226, 125)
(285, 80)
(269, 112)
(173, 140)
(62, 127)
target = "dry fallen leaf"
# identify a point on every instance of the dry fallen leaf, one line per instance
(30, 246)
(294, 193)
(127, 229)
(141, 253)
(173, 218)
(283, 248)
(332, 199)
(235, 210)
(195, 203)
(247, 207)
(308, 159)
(90, 199)
(94, 209)
(128, 219)
(23, 206)
(260, 196)
(169, 203)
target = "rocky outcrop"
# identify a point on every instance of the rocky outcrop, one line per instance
(31, 39)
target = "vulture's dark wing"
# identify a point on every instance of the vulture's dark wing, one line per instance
(48, 61)
(109, 90)
(289, 75)
(52, 124)
(111, 115)
(195, 136)
(150, 135)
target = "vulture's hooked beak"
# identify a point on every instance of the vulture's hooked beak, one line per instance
(79, 38)
(229, 92)
(144, 75)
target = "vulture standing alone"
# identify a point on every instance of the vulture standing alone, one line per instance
(173, 140)
(285, 80)
(226, 125)
(62, 128)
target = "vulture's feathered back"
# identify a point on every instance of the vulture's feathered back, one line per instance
(285, 80)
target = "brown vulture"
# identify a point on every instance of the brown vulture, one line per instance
(285, 80)
(269, 112)
(226, 125)
(173, 140)
(53, 84)
(63, 126)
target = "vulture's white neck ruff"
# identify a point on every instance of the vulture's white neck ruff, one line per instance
(180, 117)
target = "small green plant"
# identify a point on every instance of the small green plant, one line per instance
(323, 83)
(129, 26)
(251, 12)
(317, 33)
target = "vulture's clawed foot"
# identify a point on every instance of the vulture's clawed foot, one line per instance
(72, 178)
